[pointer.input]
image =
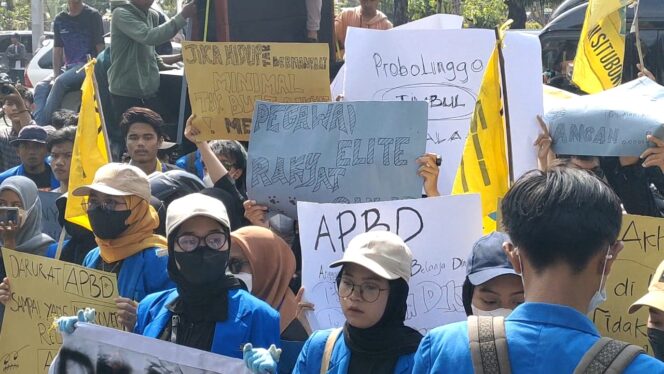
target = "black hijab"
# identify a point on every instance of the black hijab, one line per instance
(200, 303)
(377, 349)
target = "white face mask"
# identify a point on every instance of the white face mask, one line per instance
(246, 278)
(500, 312)
(600, 296)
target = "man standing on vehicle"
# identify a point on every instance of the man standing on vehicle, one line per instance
(133, 77)
(78, 32)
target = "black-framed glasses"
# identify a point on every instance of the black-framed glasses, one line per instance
(369, 292)
(108, 205)
(235, 265)
(214, 240)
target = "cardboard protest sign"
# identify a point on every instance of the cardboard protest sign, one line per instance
(335, 152)
(440, 232)
(611, 123)
(226, 79)
(113, 351)
(629, 280)
(42, 290)
(438, 67)
(50, 224)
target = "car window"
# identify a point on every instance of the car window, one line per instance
(26, 40)
(46, 61)
(4, 43)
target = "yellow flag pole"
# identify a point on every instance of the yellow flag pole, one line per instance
(500, 36)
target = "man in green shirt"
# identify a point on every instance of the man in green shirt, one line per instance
(133, 76)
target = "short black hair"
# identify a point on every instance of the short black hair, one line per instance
(65, 134)
(562, 214)
(231, 149)
(143, 115)
(64, 117)
(25, 93)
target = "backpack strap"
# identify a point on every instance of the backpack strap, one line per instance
(329, 347)
(488, 345)
(608, 356)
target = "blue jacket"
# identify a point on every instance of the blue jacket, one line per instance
(140, 275)
(250, 320)
(20, 170)
(311, 357)
(184, 164)
(541, 339)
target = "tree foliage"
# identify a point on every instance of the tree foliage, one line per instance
(484, 13)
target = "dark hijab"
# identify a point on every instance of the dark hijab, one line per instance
(377, 349)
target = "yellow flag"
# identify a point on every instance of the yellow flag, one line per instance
(600, 54)
(90, 151)
(483, 166)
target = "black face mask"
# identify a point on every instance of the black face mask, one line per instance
(202, 265)
(108, 224)
(656, 339)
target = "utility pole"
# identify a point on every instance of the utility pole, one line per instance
(37, 12)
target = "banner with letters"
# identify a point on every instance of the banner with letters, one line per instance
(440, 231)
(226, 79)
(345, 152)
(42, 290)
(92, 348)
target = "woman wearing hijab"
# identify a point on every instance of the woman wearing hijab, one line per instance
(373, 288)
(123, 222)
(26, 234)
(265, 264)
(209, 310)
(80, 242)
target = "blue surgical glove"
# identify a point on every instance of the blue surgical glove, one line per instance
(67, 325)
(261, 360)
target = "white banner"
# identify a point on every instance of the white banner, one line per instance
(93, 348)
(440, 231)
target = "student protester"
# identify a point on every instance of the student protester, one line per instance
(373, 290)
(491, 288)
(30, 145)
(366, 16)
(563, 224)
(26, 234)
(60, 145)
(77, 33)
(64, 118)
(629, 177)
(142, 130)
(169, 186)
(16, 108)
(654, 301)
(266, 265)
(123, 223)
(224, 187)
(209, 310)
(80, 241)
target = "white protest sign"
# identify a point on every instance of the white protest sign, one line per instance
(438, 67)
(440, 232)
(113, 351)
(433, 22)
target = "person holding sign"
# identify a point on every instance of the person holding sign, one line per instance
(654, 300)
(373, 289)
(492, 288)
(564, 225)
(123, 222)
(20, 225)
(209, 310)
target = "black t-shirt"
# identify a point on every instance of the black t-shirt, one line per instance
(78, 35)
(42, 180)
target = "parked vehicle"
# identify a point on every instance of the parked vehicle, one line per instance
(560, 38)
(25, 37)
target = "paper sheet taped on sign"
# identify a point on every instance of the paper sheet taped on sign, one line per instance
(629, 279)
(43, 289)
(226, 79)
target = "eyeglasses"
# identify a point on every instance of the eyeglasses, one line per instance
(369, 292)
(228, 165)
(215, 240)
(235, 265)
(107, 205)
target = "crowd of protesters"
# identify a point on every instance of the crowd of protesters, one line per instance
(200, 264)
